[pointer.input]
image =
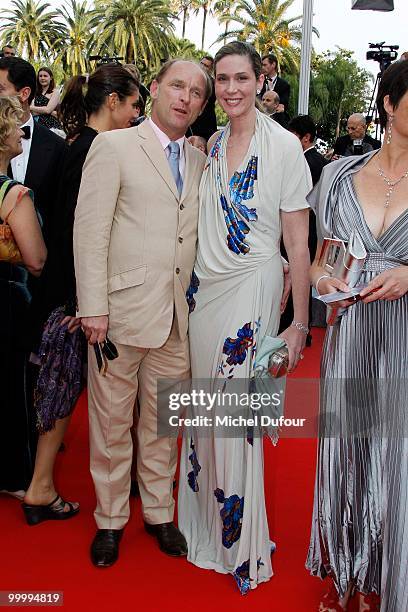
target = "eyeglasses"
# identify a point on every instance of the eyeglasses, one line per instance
(105, 351)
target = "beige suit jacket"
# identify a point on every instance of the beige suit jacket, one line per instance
(135, 237)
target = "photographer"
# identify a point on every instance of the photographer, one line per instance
(356, 142)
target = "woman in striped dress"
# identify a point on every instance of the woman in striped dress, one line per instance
(360, 524)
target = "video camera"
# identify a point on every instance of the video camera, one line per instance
(105, 59)
(382, 53)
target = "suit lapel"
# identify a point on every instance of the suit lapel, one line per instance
(154, 151)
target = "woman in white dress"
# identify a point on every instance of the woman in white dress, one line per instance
(254, 186)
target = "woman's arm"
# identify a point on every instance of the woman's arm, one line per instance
(23, 221)
(295, 227)
(51, 106)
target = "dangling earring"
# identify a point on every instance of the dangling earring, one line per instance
(258, 91)
(389, 130)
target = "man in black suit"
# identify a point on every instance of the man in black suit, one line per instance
(357, 142)
(38, 166)
(304, 128)
(273, 82)
(205, 125)
(270, 102)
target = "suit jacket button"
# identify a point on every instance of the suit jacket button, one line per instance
(177, 270)
(181, 206)
(180, 239)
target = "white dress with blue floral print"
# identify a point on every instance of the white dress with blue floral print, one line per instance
(234, 301)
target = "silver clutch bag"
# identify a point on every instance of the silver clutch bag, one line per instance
(278, 363)
(344, 261)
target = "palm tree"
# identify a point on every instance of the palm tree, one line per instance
(181, 7)
(137, 30)
(205, 5)
(31, 28)
(263, 23)
(74, 48)
(224, 8)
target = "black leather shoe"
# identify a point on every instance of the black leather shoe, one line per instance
(171, 540)
(105, 547)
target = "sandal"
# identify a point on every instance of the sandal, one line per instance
(49, 512)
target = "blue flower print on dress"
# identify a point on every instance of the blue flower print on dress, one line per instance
(236, 348)
(192, 476)
(242, 578)
(193, 288)
(241, 187)
(215, 149)
(237, 229)
(231, 516)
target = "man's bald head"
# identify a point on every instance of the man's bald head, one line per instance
(356, 126)
(270, 101)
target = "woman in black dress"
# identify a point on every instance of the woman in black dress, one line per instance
(17, 431)
(105, 100)
(46, 101)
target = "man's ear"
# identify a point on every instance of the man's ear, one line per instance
(154, 89)
(24, 93)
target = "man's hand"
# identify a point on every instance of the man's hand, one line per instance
(280, 108)
(287, 286)
(95, 328)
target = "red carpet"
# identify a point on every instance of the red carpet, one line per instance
(53, 556)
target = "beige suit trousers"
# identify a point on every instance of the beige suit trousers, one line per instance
(111, 401)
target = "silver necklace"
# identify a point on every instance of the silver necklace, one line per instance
(391, 184)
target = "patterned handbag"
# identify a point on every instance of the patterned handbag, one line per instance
(9, 250)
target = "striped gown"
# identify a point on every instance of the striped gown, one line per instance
(360, 516)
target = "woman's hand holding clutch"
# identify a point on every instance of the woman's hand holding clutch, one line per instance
(295, 341)
(330, 284)
(389, 285)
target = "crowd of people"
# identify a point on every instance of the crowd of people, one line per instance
(149, 247)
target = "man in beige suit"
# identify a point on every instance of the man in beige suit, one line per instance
(135, 242)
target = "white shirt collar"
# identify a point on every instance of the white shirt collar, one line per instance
(306, 150)
(165, 140)
(19, 164)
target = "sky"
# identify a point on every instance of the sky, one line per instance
(337, 24)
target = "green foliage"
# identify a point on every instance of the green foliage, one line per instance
(338, 89)
(264, 24)
(31, 28)
(222, 118)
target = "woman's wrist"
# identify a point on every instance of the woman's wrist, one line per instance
(300, 326)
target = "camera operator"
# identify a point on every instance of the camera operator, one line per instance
(357, 141)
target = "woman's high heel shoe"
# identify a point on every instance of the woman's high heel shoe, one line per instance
(54, 511)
